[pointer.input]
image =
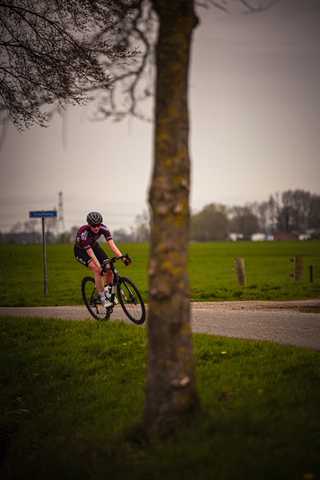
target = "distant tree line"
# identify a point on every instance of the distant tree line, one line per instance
(30, 231)
(293, 212)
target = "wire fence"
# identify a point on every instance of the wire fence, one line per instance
(298, 274)
(311, 271)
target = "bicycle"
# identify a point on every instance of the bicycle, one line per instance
(128, 294)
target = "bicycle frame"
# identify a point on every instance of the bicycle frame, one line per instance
(109, 265)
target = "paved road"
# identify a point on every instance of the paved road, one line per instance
(280, 322)
(285, 327)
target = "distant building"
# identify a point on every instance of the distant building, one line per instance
(304, 236)
(234, 236)
(285, 236)
(258, 237)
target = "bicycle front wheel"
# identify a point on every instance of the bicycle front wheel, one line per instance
(92, 299)
(131, 301)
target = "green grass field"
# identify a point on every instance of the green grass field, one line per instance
(211, 268)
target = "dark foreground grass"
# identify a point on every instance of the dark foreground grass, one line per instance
(72, 395)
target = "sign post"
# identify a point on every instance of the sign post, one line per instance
(44, 214)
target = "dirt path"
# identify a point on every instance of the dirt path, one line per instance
(281, 322)
(255, 305)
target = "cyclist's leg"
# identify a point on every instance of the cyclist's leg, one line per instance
(97, 277)
(101, 256)
(109, 276)
(83, 258)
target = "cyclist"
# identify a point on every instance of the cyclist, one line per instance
(89, 253)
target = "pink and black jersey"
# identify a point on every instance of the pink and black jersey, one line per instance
(86, 238)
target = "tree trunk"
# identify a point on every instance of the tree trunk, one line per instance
(171, 392)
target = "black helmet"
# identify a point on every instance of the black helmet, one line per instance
(94, 218)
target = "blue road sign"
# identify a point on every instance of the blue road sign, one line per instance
(43, 214)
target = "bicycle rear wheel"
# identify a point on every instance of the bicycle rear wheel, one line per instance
(92, 299)
(131, 301)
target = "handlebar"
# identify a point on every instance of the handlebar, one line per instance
(115, 259)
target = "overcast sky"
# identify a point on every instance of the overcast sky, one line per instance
(254, 98)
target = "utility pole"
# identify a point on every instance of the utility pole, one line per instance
(61, 227)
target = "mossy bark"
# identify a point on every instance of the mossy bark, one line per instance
(171, 392)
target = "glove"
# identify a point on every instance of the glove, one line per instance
(126, 259)
(101, 273)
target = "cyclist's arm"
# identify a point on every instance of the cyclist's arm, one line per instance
(114, 248)
(91, 254)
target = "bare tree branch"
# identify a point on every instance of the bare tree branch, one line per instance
(53, 53)
(261, 7)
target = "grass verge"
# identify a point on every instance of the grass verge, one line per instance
(72, 395)
(211, 271)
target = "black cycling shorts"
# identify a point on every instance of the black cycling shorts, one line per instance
(82, 256)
